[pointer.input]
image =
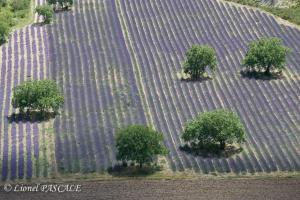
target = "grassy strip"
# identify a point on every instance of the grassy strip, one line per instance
(26, 18)
(160, 175)
(254, 3)
(291, 14)
(16, 19)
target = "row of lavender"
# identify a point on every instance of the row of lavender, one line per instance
(22, 58)
(90, 60)
(163, 30)
(88, 56)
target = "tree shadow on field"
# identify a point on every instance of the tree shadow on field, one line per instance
(201, 79)
(123, 170)
(38, 24)
(31, 116)
(257, 75)
(211, 150)
(2, 42)
(60, 10)
(187, 78)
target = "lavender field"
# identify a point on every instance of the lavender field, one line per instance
(117, 63)
(26, 145)
(90, 59)
(162, 32)
(22, 58)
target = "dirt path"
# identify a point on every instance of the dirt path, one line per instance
(174, 189)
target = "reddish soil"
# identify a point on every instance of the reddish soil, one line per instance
(282, 188)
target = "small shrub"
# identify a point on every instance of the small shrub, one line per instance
(46, 11)
(64, 4)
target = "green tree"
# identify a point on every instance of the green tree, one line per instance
(61, 3)
(52, 2)
(139, 144)
(68, 3)
(215, 127)
(46, 11)
(266, 54)
(4, 31)
(198, 58)
(40, 95)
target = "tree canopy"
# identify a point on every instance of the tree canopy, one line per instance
(218, 126)
(46, 11)
(64, 4)
(139, 144)
(40, 95)
(198, 58)
(266, 54)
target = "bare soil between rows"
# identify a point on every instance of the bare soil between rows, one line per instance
(272, 188)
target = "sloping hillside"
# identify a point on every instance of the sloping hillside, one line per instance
(117, 63)
(163, 30)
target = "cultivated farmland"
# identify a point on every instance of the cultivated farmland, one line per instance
(26, 144)
(22, 58)
(163, 30)
(117, 63)
(90, 59)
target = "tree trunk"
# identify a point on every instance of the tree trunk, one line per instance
(267, 72)
(222, 145)
(140, 165)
